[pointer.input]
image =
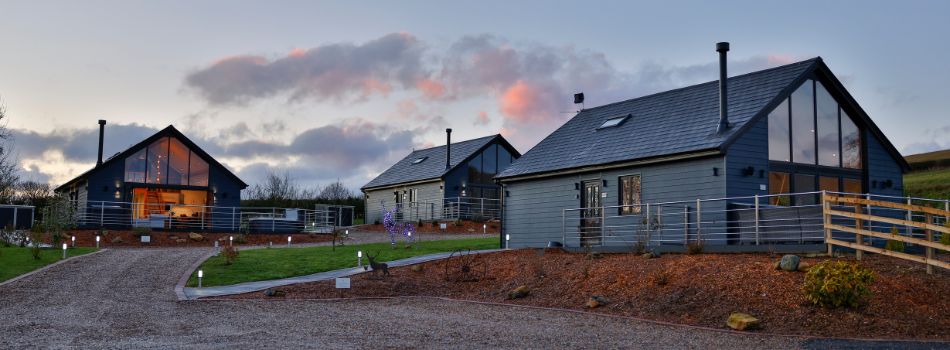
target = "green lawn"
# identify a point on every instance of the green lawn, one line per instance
(928, 184)
(15, 261)
(267, 264)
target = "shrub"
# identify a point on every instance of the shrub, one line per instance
(837, 283)
(142, 231)
(240, 239)
(230, 254)
(35, 238)
(694, 247)
(894, 245)
(661, 277)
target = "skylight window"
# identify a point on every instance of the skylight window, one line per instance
(419, 160)
(614, 122)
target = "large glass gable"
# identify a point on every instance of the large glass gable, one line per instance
(167, 161)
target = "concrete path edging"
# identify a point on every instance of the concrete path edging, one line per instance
(190, 293)
(44, 268)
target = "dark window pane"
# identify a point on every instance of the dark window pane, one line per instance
(158, 162)
(629, 194)
(805, 183)
(779, 183)
(178, 163)
(475, 169)
(850, 143)
(135, 167)
(504, 159)
(489, 164)
(198, 175)
(803, 124)
(778, 133)
(827, 183)
(827, 128)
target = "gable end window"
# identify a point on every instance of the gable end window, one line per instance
(629, 194)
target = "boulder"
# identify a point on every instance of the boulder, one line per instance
(778, 264)
(271, 292)
(804, 266)
(741, 322)
(117, 240)
(789, 262)
(416, 268)
(196, 237)
(595, 302)
(518, 293)
(181, 241)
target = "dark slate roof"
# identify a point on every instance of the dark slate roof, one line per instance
(672, 122)
(168, 131)
(433, 167)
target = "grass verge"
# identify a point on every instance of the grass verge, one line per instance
(15, 261)
(268, 264)
(928, 183)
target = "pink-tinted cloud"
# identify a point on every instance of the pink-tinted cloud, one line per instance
(524, 102)
(482, 118)
(430, 88)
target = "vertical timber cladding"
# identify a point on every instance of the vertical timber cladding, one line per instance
(428, 205)
(534, 207)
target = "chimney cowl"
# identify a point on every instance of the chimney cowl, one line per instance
(102, 127)
(722, 48)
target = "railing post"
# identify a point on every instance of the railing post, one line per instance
(14, 218)
(826, 219)
(930, 238)
(273, 220)
(603, 224)
(756, 219)
(233, 211)
(685, 224)
(203, 217)
(102, 213)
(699, 218)
(563, 227)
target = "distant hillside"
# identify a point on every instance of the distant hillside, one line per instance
(929, 160)
(930, 177)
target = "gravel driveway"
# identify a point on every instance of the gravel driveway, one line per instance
(124, 298)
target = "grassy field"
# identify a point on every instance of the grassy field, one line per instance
(928, 183)
(15, 261)
(267, 264)
(930, 160)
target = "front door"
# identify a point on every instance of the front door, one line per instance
(591, 214)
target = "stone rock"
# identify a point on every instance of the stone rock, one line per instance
(790, 262)
(196, 237)
(181, 240)
(804, 266)
(741, 322)
(519, 292)
(117, 240)
(778, 264)
(595, 302)
(174, 238)
(416, 268)
(271, 292)
(651, 254)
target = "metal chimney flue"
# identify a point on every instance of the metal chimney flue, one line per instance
(722, 48)
(102, 131)
(448, 148)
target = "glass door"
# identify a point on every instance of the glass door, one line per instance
(591, 214)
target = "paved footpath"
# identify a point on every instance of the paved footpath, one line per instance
(124, 298)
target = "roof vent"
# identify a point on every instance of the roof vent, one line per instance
(614, 122)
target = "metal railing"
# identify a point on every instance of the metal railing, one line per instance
(127, 215)
(471, 208)
(791, 218)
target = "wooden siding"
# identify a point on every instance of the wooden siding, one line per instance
(429, 192)
(750, 149)
(534, 209)
(882, 167)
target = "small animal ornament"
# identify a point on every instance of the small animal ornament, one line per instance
(377, 266)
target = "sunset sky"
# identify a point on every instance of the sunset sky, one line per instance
(341, 90)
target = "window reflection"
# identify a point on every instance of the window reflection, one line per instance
(135, 167)
(779, 147)
(157, 162)
(779, 183)
(803, 124)
(827, 127)
(177, 163)
(850, 143)
(198, 176)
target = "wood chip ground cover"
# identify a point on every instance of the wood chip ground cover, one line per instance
(698, 290)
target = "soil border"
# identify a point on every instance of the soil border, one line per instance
(592, 313)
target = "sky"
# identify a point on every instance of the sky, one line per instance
(327, 91)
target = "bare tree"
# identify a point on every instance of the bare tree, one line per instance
(336, 191)
(33, 193)
(8, 164)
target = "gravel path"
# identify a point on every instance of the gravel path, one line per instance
(123, 298)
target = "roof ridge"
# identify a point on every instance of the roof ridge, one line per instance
(816, 58)
(454, 143)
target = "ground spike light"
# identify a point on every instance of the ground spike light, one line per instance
(74, 241)
(231, 240)
(507, 238)
(359, 258)
(64, 250)
(289, 238)
(200, 275)
(97, 241)
(484, 228)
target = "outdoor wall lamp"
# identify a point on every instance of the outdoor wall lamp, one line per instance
(577, 186)
(715, 171)
(605, 182)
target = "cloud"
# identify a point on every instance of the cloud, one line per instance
(328, 72)
(482, 118)
(79, 144)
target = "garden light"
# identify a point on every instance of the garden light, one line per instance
(288, 240)
(74, 241)
(64, 250)
(97, 241)
(484, 228)
(231, 240)
(200, 275)
(359, 258)
(507, 238)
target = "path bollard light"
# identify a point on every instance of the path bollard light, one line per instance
(200, 275)
(484, 228)
(97, 241)
(507, 238)
(359, 258)
(270, 244)
(64, 250)
(231, 240)
(74, 241)
(288, 240)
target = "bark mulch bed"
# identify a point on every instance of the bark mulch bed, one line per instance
(697, 290)
(453, 227)
(87, 238)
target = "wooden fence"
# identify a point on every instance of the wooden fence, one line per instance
(834, 219)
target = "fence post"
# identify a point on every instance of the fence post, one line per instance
(858, 238)
(233, 211)
(699, 219)
(14, 218)
(757, 219)
(826, 219)
(910, 217)
(685, 224)
(273, 220)
(930, 250)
